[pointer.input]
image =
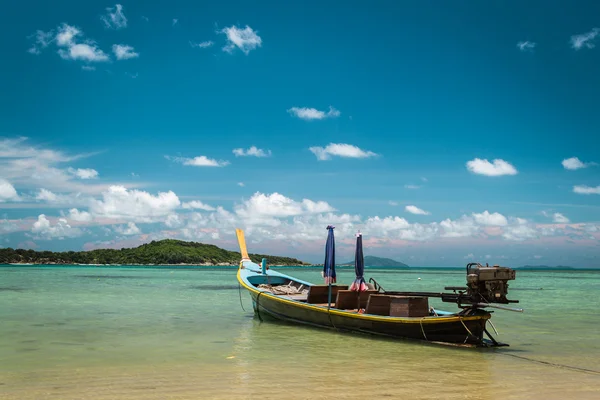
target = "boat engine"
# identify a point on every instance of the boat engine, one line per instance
(489, 284)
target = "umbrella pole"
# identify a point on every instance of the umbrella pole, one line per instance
(329, 297)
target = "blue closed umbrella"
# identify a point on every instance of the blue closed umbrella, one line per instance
(359, 284)
(329, 264)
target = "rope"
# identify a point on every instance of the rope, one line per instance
(578, 369)
(468, 331)
(240, 292)
(422, 330)
(258, 306)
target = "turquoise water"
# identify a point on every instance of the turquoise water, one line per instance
(140, 333)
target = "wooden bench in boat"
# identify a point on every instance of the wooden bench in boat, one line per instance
(397, 306)
(319, 294)
(349, 299)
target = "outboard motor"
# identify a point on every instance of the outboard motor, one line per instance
(489, 284)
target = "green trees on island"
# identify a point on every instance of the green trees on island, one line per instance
(168, 251)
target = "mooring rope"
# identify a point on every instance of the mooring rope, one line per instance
(577, 369)
(258, 306)
(240, 292)
(422, 330)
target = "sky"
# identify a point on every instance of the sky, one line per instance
(445, 132)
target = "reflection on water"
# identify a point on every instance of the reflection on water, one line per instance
(182, 334)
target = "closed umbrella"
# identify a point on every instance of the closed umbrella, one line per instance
(329, 264)
(359, 284)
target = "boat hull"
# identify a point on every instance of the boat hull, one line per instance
(452, 329)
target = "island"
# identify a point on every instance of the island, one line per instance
(160, 252)
(372, 261)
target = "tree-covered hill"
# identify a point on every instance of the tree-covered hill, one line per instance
(168, 251)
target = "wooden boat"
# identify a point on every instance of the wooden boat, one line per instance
(376, 311)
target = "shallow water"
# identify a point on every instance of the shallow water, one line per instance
(106, 333)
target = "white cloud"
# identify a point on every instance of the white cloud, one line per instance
(312, 113)
(493, 219)
(202, 45)
(497, 168)
(199, 161)
(173, 221)
(42, 40)
(88, 68)
(134, 205)
(242, 184)
(79, 216)
(244, 39)
(575, 163)
(469, 256)
(519, 232)
(66, 35)
(252, 151)
(64, 199)
(268, 208)
(560, 219)
(196, 204)
(416, 210)
(114, 18)
(585, 39)
(83, 173)
(7, 191)
(393, 203)
(340, 150)
(526, 45)
(84, 52)
(412, 187)
(60, 230)
(174, 21)
(128, 230)
(462, 227)
(124, 52)
(584, 189)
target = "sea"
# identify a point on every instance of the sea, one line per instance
(81, 332)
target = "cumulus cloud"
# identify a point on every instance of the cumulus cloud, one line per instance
(79, 216)
(202, 45)
(7, 191)
(312, 113)
(412, 187)
(560, 219)
(198, 205)
(114, 17)
(416, 210)
(71, 50)
(585, 40)
(59, 230)
(496, 168)
(575, 163)
(135, 205)
(269, 209)
(241, 184)
(584, 189)
(252, 151)
(393, 203)
(244, 39)
(199, 161)
(526, 45)
(490, 219)
(124, 52)
(83, 173)
(340, 150)
(128, 230)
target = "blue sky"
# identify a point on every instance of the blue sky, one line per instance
(360, 115)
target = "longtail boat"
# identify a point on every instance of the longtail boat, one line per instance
(368, 308)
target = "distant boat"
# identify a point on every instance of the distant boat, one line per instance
(377, 311)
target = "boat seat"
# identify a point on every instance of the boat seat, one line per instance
(318, 294)
(350, 299)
